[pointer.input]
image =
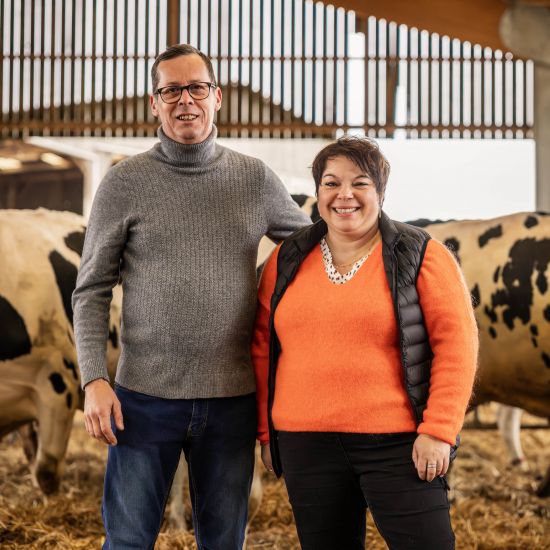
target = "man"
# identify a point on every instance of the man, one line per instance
(180, 226)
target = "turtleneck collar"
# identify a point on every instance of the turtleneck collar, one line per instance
(194, 154)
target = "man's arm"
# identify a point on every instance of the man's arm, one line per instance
(282, 213)
(105, 240)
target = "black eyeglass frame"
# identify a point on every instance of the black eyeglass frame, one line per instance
(210, 85)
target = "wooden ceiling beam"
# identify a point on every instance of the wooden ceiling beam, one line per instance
(476, 21)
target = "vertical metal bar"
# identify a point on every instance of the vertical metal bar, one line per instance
(135, 75)
(451, 85)
(524, 105)
(440, 84)
(461, 90)
(114, 101)
(304, 30)
(335, 69)
(199, 24)
(250, 63)
(346, 68)
(92, 84)
(52, 66)
(146, 70)
(104, 69)
(271, 64)
(240, 70)
(282, 116)
(219, 45)
(324, 96)
(72, 114)
(20, 117)
(125, 71)
(2, 118)
(157, 38)
(229, 56)
(292, 64)
(493, 88)
(42, 43)
(63, 51)
(472, 88)
(31, 64)
(82, 66)
(188, 38)
(503, 76)
(209, 24)
(10, 81)
(409, 81)
(514, 106)
(314, 65)
(430, 99)
(483, 92)
(378, 23)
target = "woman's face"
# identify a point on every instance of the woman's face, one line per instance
(347, 199)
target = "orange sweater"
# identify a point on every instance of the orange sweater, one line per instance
(339, 369)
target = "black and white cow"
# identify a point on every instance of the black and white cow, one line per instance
(39, 377)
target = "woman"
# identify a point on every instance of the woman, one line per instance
(364, 351)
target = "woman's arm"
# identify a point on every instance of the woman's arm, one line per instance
(260, 342)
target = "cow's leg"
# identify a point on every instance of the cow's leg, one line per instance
(509, 425)
(176, 518)
(54, 428)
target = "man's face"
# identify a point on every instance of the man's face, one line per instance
(188, 120)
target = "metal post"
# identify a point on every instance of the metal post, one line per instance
(173, 22)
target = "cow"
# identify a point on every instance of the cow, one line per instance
(506, 264)
(39, 377)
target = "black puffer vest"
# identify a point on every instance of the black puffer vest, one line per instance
(403, 248)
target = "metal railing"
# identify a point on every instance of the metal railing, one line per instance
(287, 68)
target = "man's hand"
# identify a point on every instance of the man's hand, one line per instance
(100, 402)
(266, 458)
(430, 456)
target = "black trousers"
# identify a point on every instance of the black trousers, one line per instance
(332, 478)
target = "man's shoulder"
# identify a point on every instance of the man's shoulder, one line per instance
(125, 168)
(238, 158)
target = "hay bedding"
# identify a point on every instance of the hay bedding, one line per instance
(496, 507)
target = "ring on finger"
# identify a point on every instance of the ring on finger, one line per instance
(431, 466)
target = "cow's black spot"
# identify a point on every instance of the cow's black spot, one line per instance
(454, 246)
(491, 233)
(516, 298)
(476, 299)
(113, 336)
(491, 314)
(534, 330)
(547, 313)
(57, 382)
(71, 367)
(424, 222)
(14, 338)
(535, 343)
(496, 274)
(492, 332)
(300, 200)
(530, 221)
(65, 276)
(546, 359)
(75, 241)
(69, 400)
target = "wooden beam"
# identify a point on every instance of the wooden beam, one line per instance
(173, 22)
(476, 21)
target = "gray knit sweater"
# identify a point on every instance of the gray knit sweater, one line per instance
(181, 225)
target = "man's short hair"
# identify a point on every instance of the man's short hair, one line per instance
(362, 151)
(176, 51)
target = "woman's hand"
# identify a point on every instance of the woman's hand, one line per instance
(266, 458)
(430, 456)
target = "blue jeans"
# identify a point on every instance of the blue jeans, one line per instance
(217, 437)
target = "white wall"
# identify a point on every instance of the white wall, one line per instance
(429, 178)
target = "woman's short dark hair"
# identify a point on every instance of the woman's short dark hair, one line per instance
(363, 151)
(176, 51)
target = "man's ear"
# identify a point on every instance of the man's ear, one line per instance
(154, 106)
(218, 93)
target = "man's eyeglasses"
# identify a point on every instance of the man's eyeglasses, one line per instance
(197, 90)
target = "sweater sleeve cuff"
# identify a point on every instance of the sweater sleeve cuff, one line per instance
(91, 370)
(441, 434)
